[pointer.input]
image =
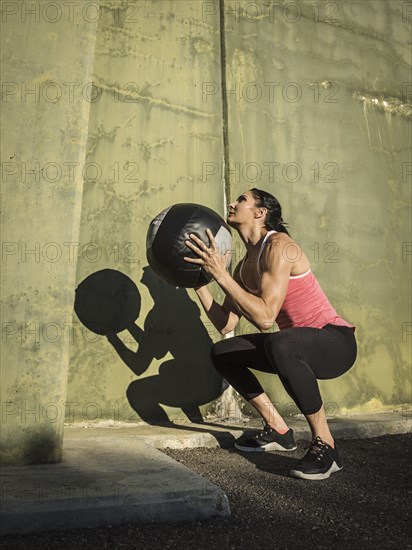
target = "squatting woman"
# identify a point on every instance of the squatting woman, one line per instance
(274, 283)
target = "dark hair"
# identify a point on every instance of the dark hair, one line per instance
(274, 218)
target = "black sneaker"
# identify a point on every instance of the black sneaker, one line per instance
(320, 461)
(267, 440)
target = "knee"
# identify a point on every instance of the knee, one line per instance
(216, 354)
(134, 391)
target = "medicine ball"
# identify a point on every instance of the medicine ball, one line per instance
(166, 248)
(107, 301)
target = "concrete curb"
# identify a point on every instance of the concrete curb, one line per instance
(105, 482)
(357, 426)
(114, 474)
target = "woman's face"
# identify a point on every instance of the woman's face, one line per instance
(242, 210)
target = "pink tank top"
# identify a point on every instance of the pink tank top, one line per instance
(305, 304)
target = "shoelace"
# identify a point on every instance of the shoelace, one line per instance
(266, 428)
(317, 448)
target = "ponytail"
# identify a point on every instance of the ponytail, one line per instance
(273, 218)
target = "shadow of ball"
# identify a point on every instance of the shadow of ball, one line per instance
(107, 302)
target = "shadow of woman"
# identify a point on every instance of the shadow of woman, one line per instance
(186, 381)
(108, 302)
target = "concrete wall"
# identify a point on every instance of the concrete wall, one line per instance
(318, 113)
(150, 133)
(44, 128)
(319, 102)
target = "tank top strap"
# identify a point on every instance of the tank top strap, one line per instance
(262, 246)
(260, 252)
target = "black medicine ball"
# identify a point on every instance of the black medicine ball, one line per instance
(166, 248)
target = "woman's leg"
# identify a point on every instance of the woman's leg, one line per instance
(232, 357)
(319, 426)
(268, 412)
(301, 356)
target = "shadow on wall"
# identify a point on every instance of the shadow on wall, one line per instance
(108, 302)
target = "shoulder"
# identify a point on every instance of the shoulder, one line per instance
(283, 245)
(278, 243)
(283, 250)
(279, 238)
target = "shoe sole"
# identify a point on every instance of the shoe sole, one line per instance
(334, 468)
(269, 447)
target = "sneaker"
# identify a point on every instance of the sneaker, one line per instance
(267, 440)
(320, 461)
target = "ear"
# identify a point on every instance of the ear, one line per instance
(260, 212)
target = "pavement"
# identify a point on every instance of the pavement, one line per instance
(115, 474)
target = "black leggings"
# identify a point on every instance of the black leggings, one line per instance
(299, 356)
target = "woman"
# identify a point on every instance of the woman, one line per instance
(274, 283)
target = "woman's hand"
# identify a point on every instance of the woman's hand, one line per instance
(210, 258)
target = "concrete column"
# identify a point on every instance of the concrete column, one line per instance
(47, 60)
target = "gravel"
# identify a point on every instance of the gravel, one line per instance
(364, 506)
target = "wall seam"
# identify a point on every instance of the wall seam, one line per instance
(225, 128)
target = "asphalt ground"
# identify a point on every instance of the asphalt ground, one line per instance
(364, 506)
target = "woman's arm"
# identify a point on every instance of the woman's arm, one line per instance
(261, 310)
(222, 316)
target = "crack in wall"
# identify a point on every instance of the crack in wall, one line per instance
(147, 148)
(225, 116)
(130, 34)
(94, 138)
(307, 12)
(187, 21)
(152, 101)
(390, 105)
(122, 207)
(204, 137)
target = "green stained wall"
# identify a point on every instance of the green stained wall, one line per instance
(150, 135)
(318, 113)
(42, 197)
(319, 102)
